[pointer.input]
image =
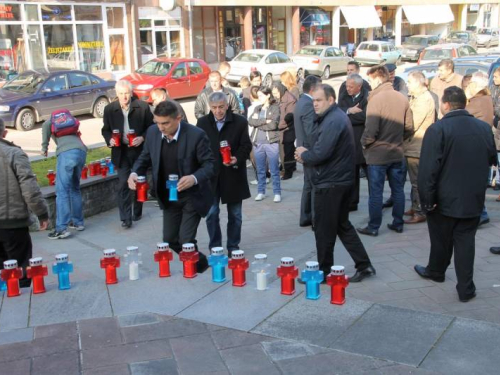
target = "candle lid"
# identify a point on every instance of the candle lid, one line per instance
(36, 261)
(141, 179)
(260, 256)
(131, 131)
(103, 160)
(116, 131)
(162, 246)
(287, 261)
(109, 253)
(188, 247)
(238, 254)
(224, 144)
(10, 264)
(338, 270)
(50, 171)
(132, 249)
(61, 258)
(312, 266)
(173, 177)
(217, 251)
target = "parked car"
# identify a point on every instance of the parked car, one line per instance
(33, 95)
(487, 37)
(461, 67)
(445, 51)
(321, 61)
(415, 44)
(375, 52)
(464, 37)
(182, 78)
(269, 62)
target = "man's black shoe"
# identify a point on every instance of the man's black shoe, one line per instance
(395, 228)
(467, 298)
(368, 231)
(388, 203)
(126, 224)
(496, 187)
(202, 265)
(286, 177)
(422, 271)
(360, 275)
(353, 208)
(495, 250)
(136, 217)
(483, 221)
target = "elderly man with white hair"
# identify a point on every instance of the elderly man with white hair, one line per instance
(125, 116)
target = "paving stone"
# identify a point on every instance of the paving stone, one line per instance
(109, 370)
(230, 338)
(45, 346)
(399, 370)
(62, 329)
(60, 364)
(467, 347)
(18, 335)
(414, 284)
(85, 300)
(129, 353)
(280, 349)
(12, 352)
(315, 322)
(21, 367)
(15, 311)
(395, 334)
(137, 319)
(334, 362)
(157, 367)
(95, 333)
(248, 360)
(163, 330)
(196, 354)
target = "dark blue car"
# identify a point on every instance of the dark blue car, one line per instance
(33, 95)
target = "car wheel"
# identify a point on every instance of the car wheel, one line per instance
(25, 120)
(268, 80)
(326, 73)
(99, 106)
(301, 73)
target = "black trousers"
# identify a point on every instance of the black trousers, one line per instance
(412, 165)
(289, 165)
(127, 198)
(331, 219)
(180, 224)
(16, 244)
(355, 190)
(305, 219)
(450, 235)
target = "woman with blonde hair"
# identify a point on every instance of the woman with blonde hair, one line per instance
(289, 80)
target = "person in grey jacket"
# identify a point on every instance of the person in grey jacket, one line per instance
(19, 194)
(332, 158)
(202, 106)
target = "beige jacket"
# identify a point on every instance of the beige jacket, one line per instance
(423, 108)
(438, 86)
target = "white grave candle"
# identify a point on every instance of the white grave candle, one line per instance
(261, 280)
(133, 271)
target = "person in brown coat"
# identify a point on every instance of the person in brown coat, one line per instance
(423, 108)
(446, 77)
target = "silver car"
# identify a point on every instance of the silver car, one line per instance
(487, 37)
(321, 61)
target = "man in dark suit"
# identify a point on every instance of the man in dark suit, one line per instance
(230, 183)
(304, 117)
(125, 114)
(457, 152)
(178, 148)
(353, 68)
(354, 102)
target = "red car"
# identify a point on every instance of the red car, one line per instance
(182, 78)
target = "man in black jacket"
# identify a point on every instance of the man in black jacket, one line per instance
(230, 184)
(353, 68)
(175, 147)
(303, 117)
(201, 106)
(125, 114)
(353, 102)
(332, 160)
(458, 145)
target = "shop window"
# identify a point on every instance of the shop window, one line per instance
(91, 47)
(79, 80)
(114, 16)
(88, 13)
(117, 52)
(56, 83)
(12, 55)
(59, 47)
(144, 23)
(160, 23)
(175, 44)
(174, 22)
(56, 12)
(31, 12)
(204, 34)
(147, 52)
(36, 50)
(10, 12)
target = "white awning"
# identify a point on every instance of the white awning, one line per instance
(361, 17)
(419, 14)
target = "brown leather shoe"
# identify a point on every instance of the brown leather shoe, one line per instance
(416, 219)
(410, 212)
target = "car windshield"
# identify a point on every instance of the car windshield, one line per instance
(27, 83)
(310, 51)
(437, 54)
(368, 47)
(416, 40)
(461, 36)
(249, 57)
(484, 31)
(155, 68)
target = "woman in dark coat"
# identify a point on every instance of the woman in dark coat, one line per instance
(287, 132)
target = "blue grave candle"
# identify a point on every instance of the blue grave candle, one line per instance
(62, 268)
(218, 261)
(312, 277)
(172, 187)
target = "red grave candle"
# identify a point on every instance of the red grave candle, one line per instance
(238, 264)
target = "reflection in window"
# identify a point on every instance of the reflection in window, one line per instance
(146, 45)
(117, 52)
(88, 13)
(12, 57)
(56, 83)
(91, 47)
(31, 12)
(79, 80)
(56, 12)
(35, 42)
(59, 47)
(175, 44)
(115, 17)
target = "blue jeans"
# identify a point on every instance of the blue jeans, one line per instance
(271, 154)
(376, 179)
(234, 220)
(68, 197)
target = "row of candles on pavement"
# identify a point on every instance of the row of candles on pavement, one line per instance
(287, 271)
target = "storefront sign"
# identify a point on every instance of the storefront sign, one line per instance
(8, 12)
(222, 42)
(57, 50)
(91, 45)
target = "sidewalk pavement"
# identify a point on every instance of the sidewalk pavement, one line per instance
(393, 323)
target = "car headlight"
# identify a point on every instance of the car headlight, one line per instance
(4, 108)
(144, 87)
